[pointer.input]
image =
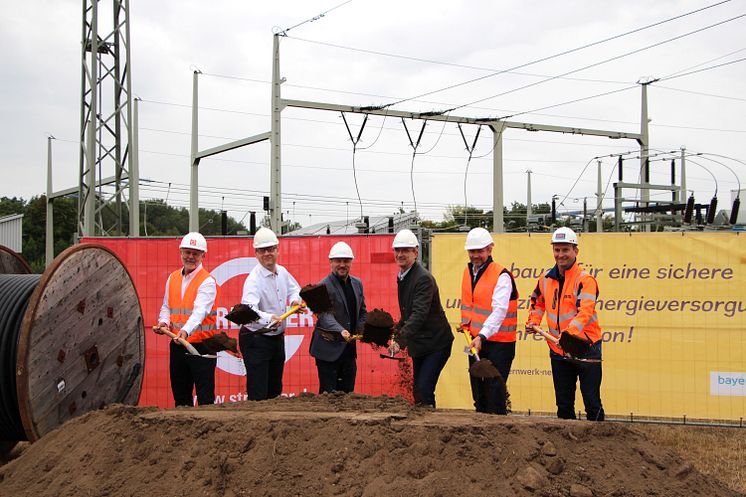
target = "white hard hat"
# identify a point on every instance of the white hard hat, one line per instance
(341, 250)
(478, 238)
(565, 235)
(405, 239)
(194, 241)
(265, 237)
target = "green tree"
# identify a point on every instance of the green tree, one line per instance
(158, 219)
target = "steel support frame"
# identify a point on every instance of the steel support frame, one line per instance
(106, 119)
(278, 104)
(497, 126)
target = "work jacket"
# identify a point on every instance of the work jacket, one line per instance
(181, 307)
(569, 304)
(476, 303)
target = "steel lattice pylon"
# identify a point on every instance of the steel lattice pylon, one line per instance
(105, 121)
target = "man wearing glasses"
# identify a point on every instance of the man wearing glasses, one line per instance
(268, 289)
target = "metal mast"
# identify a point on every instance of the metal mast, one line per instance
(105, 119)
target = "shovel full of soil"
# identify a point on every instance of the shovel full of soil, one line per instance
(482, 368)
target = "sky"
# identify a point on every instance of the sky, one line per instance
(363, 53)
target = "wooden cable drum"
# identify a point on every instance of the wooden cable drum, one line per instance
(12, 263)
(71, 340)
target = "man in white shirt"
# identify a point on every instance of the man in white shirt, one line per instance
(268, 289)
(189, 308)
(489, 312)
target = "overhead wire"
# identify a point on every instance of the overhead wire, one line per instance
(355, 141)
(311, 19)
(596, 64)
(444, 63)
(665, 78)
(556, 55)
(470, 150)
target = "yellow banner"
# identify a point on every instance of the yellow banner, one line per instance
(671, 306)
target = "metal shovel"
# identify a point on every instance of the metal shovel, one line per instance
(482, 368)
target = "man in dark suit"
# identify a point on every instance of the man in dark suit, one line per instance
(335, 356)
(423, 327)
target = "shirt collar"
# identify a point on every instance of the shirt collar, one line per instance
(266, 272)
(403, 274)
(475, 270)
(193, 273)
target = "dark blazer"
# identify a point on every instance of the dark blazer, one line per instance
(423, 327)
(334, 323)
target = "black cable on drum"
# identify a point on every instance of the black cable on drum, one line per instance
(15, 291)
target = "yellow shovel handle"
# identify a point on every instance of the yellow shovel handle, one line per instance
(468, 341)
(286, 314)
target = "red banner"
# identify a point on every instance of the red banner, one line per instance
(230, 259)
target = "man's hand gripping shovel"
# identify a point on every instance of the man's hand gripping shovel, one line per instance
(482, 368)
(162, 330)
(566, 342)
(272, 326)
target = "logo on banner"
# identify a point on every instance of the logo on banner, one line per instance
(728, 384)
(224, 272)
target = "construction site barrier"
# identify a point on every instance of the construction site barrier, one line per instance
(672, 308)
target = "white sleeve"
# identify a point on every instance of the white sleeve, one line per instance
(251, 296)
(165, 314)
(500, 302)
(203, 303)
(293, 289)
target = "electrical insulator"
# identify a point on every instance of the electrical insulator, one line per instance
(711, 210)
(689, 209)
(734, 211)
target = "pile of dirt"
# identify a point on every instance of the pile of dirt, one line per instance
(345, 445)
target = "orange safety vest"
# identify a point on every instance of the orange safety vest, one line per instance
(574, 311)
(476, 305)
(182, 307)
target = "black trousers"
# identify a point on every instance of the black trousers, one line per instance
(565, 375)
(264, 358)
(189, 372)
(426, 371)
(490, 394)
(339, 375)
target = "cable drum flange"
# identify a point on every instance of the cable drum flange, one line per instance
(78, 341)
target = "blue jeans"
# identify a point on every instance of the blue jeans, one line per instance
(427, 369)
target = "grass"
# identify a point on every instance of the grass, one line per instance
(715, 451)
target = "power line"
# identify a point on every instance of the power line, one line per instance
(700, 93)
(559, 54)
(631, 87)
(596, 64)
(443, 63)
(312, 19)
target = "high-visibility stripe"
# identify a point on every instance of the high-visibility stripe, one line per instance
(482, 312)
(568, 315)
(563, 313)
